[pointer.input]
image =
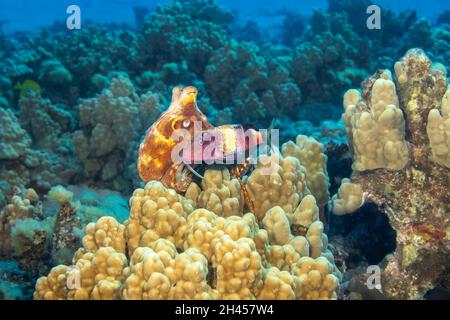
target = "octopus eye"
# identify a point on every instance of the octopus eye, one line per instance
(186, 123)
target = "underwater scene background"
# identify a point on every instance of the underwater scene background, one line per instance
(356, 206)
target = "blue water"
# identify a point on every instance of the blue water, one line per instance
(31, 15)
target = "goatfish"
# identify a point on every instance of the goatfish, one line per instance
(228, 144)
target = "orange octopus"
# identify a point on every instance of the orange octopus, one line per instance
(155, 162)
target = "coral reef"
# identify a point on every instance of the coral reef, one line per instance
(39, 233)
(266, 87)
(173, 248)
(14, 141)
(41, 155)
(311, 155)
(25, 233)
(64, 240)
(14, 283)
(410, 182)
(218, 193)
(189, 30)
(111, 125)
(438, 129)
(348, 199)
(336, 57)
(72, 118)
(376, 128)
(436, 40)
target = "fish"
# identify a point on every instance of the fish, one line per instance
(233, 144)
(426, 231)
(182, 138)
(228, 144)
(27, 86)
(155, 161)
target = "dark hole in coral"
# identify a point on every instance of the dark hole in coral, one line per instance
(437, 293)
(339, 164)
(366, 235)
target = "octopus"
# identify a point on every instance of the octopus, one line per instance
(207, 143)
(155, 152)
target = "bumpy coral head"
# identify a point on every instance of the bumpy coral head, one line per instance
(155, 153)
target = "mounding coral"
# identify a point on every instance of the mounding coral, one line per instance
(205, 246)
(24, 232)
(37, 232)
(330, 58)
(14, 141)
(111, 125)
(398, 135)
(266, 87)
(187, 31)
(36, 149)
